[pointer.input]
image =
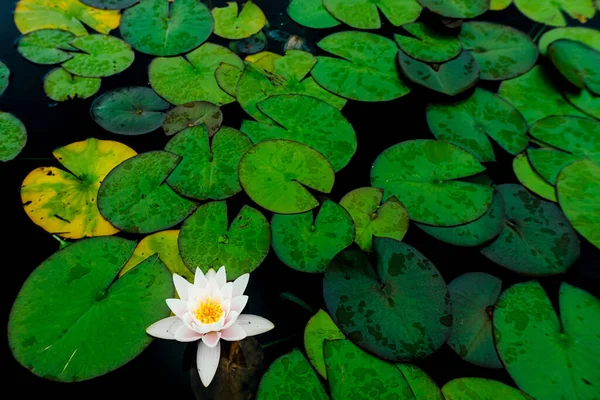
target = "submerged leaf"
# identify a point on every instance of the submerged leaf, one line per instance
(364, 14)
(311, 13)
(109, 4)
(59, 85)
(13, 136)
(230, 24)
(100, 56)
(320, 328)
(46, 46)
(193, 114)
(427, 44)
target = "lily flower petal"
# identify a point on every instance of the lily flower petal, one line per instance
(253, 324)
(210, 273)
(240, 284)
(233, 333)
(181, 285)
(185, 334)
(213, 289)
(221, 277)
(238, 303)
(179, 307)
(231, 318)
(226, 291)
(165, 328)
(207, 362)
(211, 339)
(199, 279)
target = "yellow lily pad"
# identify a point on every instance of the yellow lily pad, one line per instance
(64, 203)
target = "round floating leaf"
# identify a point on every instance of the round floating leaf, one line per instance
(90, 323)
(319, 329)
(4, 77)
(536, 239)
(307, 120)
(426, 44)
(308, 244)
(292, 376)
(354, 374)
(371, 218)
(276, 175)
(165, 245)
(206, 240)
(481, 389)
(535, 96)
(109, 4)
(281, 75)
(402, 312)
(568, 139)
(164, 28)
(451, 78)
(588, 36)
(473, 233)
(547, 357)
(457, 8)
(46, 46)
(531, 179)
(134, 110)
(59, 85)
(552, 12)
(423, 175)
(13, 136)
(207, 171)
(578, 188)
(421, 384)
(64, 203)
(364, 14)
(502, 52)
(68, 15)
(230, 24)
(577, 62)
(181, 80)
(474, 296)
(135, 198)
(497, 5)
(366, 69)
(101, 55)
(250, 45)
(193, 114)
(586, 102)
(311, 13)
(468, 123)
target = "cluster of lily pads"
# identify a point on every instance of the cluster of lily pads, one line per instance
(393, 305)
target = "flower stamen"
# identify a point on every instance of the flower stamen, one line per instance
(209, 311)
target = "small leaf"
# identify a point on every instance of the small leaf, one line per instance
(531, 179)
(100, 56)
(59, 85)
(46, 46)
(193, 114)
(230, 24)
(311, 13)
(320, 327)
(4, 77)
(364, 14)
(426, 44)
(13, 136)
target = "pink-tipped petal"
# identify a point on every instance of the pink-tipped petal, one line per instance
(211, 339)
(210, 273)
(239, 285)
(179, 307)
(231, 318)
(181, 285)
(207, 361)
(185, 334)
(221, 277)
(233, 333)
(165, 328)
(238, 303)
(253, 324)
(199, 279)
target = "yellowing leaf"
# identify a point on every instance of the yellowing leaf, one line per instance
(64, 203)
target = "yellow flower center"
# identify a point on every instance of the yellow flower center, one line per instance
(209, 311)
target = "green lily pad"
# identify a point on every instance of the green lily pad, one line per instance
(109, 4)
(399, 310)
(13, 136)
(481, 389)
(531, 179)
(193, 114)
(59, 85)
(289, 76)
(164, 28)
(547, 357)
(451, 78)
(578, 188)
(421, 384)
(291, 375)
(91, 324)
(207, 170)
(426, 44)
(366, 69)
(474, 297)
(133, 110)
(553, 12)
(311, 13)
(306, 120)
(181, 80)
(135, 198)
(276, 175)
(308, 244)
(537, 239)
(424, 175)
(467, 123)
(502, 52)
(101, 55)
(354, 374)
(4, 77)
(497, 5)
(567, 139)
(320, 327)
(206, 240)
(230, 24)
(364, 14)
(535, 96)
(475, 233)
(586, 102)
(457, 8)
(588, 36)
(227, 77)
(374, 219)
(577, 62)
(46, 46)
(68, 15)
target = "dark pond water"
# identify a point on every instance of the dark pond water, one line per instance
(165, 366)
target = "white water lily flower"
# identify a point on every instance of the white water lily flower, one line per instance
(209, 310)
